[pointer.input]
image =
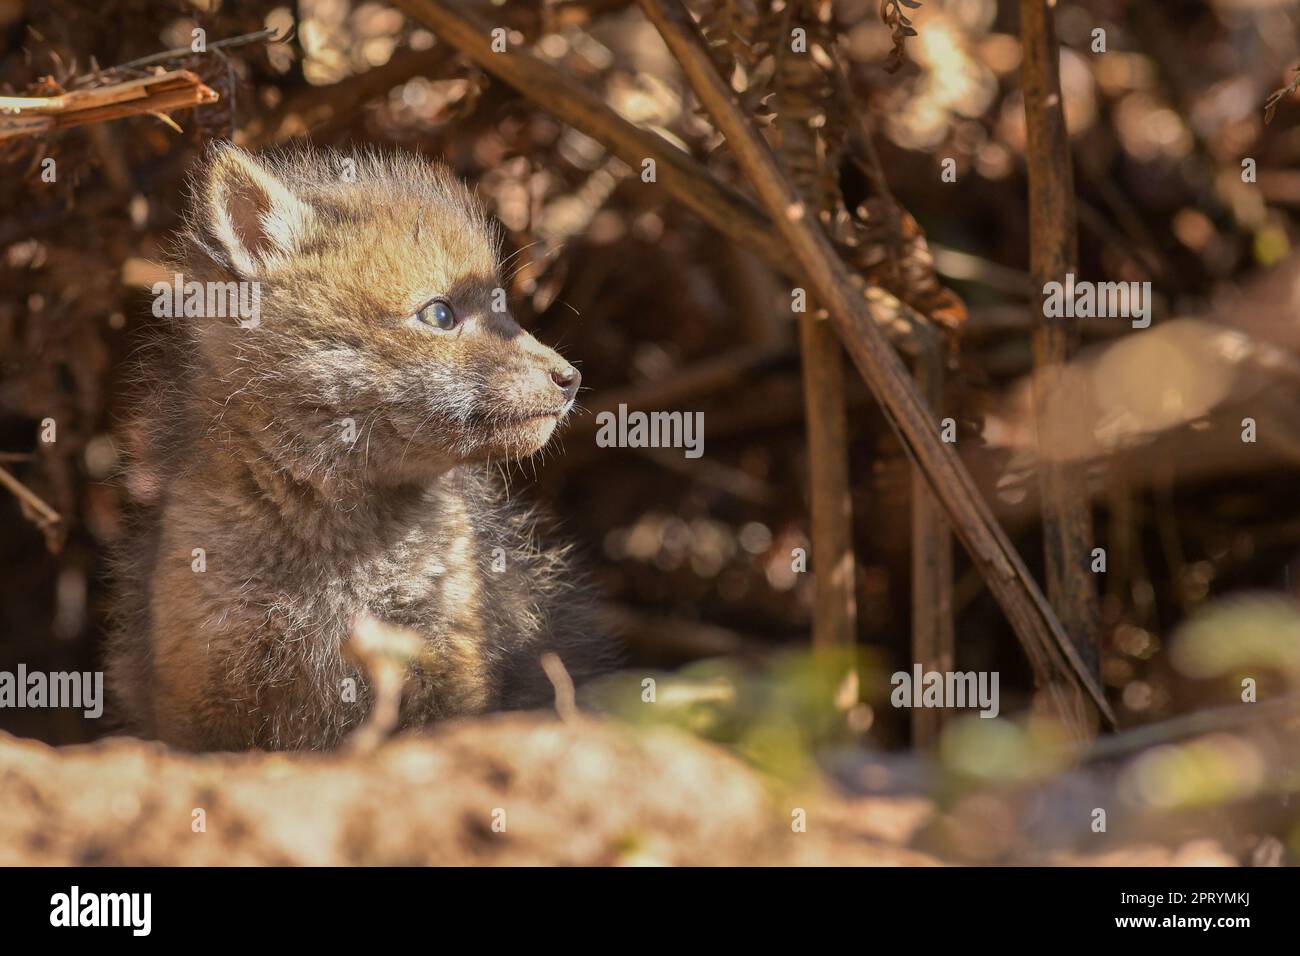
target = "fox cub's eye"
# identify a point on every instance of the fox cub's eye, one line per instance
(439, 314)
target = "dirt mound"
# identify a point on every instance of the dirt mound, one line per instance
(511, 789)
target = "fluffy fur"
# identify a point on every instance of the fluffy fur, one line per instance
(241, 449)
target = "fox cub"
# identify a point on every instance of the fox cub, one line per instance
(329, 454)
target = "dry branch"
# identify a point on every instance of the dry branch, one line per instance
(1050, 650)
(1067, 518)
(933, 640)
(803, 91)
(164, 93)
(835, 611)
(1277, 716)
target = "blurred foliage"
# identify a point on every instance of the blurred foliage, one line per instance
(777, 715)
(1240, 637)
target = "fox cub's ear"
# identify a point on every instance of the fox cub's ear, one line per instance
(251, 213)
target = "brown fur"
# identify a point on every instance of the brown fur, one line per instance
(243, 455)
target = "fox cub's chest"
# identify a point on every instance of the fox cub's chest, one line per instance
(434, 575)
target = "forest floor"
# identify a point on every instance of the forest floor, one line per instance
(516, 789)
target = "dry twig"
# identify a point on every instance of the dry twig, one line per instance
(39, 115)
(30, 500)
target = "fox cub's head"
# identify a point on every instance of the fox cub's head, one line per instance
(380, 333)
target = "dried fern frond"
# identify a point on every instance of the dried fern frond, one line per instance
(807, 107)
(891, 13)
(888, 247)
(810, 118)
(814, 106)
(733, 33)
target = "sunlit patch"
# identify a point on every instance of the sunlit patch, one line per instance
(1203, 772)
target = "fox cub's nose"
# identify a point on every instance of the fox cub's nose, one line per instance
(567, 378)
